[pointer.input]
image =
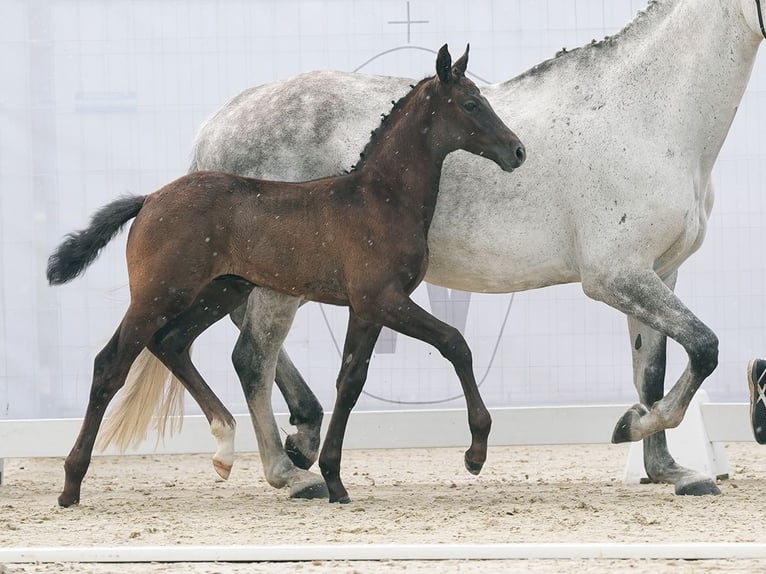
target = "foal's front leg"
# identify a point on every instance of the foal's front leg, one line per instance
(360, 341)
(397, 311)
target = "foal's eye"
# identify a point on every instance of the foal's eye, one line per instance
(470, 106)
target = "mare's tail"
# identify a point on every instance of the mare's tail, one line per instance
(81, 248)
(150, 393)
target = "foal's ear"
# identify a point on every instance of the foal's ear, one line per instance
(444, 65)
(462, 63)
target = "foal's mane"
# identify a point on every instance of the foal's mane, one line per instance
(595, 48)
(376, 134)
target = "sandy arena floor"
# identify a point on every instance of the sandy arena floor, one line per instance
(524, 494)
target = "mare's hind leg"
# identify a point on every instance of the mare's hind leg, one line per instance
(172, 343)
(305, 413)
(657, 313)
(263, 328)
(305, 409)
(649, 360)
(357, 350)
(110, 369)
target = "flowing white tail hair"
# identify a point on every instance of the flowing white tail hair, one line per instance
(151, 393)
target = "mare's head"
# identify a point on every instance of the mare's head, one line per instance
(465, 119)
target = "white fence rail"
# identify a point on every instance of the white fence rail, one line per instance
(695, 443)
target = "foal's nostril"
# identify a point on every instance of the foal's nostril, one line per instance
(521, 154)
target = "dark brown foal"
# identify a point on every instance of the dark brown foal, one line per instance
(199, 244)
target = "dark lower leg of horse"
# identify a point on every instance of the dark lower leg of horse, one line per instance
(172, 343)
(360, 341)
(400, 313)
(686, 481)
(642, 295)
(649, 361)
(110, 370)
(641, 421)
(306, 413)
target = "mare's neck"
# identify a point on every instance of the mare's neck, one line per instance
(687, 65)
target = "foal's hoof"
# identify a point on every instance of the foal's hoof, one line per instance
(296, 455)
(342, 500)
(223, 469)
(66, 501)
(626, 428)
(698, 488)
(473, 467)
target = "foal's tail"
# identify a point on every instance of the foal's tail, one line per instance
(151, 393)
(81, 248)
(143, 397)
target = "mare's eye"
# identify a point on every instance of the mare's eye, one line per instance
(470, 106)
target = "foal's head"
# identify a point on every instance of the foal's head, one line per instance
(466, 120)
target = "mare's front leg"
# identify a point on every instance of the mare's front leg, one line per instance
(655, 313)
(263, 328)
(649, 360)
(360, 341)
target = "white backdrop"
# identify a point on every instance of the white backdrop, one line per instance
(101, 98)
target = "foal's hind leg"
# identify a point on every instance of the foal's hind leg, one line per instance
(110, 370)
(263, 328)
(357, 350)
(649, 361)
(172, 343)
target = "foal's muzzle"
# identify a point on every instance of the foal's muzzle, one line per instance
(513, 157)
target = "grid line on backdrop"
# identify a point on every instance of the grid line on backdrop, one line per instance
(105, 98)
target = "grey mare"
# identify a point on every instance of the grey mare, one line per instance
(622, 136)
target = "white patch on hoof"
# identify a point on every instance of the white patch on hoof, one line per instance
(223, 459)
(221, 468)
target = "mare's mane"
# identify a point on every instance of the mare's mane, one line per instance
(375, 135)
(597, 47)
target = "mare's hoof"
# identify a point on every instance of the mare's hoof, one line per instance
(624, 430)
(342, 500)
(310, 490)
(294, 453)
(698, 488)
(223, 470)
(473, 467)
